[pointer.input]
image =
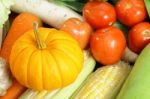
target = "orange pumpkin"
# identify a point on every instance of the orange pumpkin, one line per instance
(46, 59)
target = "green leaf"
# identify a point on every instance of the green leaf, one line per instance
(113, 1)
(71, 0)
(147, 3)
(122, 27)
(5, 10)
(76, 5)
(64, 0)
(5, 29)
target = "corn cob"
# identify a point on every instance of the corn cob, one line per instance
(105, 82)
(64, 93)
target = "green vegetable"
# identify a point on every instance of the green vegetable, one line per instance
(128, 56)
(113, 1)
(137, 85)
(1, 37)
(147, 3)
(122, 27)
(5, 29)
(5, 10)
(76, 5)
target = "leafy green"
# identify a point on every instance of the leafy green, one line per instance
(113, 1)
(5, 10)
(76, 5)
(82, 1)
(5, 29)
(147, 3)
(121, 27)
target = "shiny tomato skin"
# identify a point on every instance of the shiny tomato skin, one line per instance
(99, 14)
(80, 30)
(131, 12)
(107, 45)
(139, 36)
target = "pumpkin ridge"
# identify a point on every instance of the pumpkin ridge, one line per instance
(27, 77)
(69, 57)
(45, 37)
(42, 70)
(69, 40)
(70, 51)
(49, 36)
(71, 66)
(60, 73)
(14, 66)
(14, 47)
(12, 61)
(43, 81)
(34, 84)
(63, 43)
(53, 35)
(64, 47)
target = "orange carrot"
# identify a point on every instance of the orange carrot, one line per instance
(22, 23)
(14, 91)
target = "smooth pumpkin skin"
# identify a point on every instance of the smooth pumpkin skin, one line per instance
(46, 69)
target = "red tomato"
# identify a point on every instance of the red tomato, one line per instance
(80, 30)
(139, 36)
(131, 12)
(108, 45)
(99, 14)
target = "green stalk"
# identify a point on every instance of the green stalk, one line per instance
(40, 42)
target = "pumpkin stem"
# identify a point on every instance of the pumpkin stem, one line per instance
(40, 42)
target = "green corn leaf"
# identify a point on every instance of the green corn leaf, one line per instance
(147, 4)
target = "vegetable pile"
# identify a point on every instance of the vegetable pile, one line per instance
(74, 49)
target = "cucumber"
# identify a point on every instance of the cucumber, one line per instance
(137, 85)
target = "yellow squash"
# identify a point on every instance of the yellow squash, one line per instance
(46, 59)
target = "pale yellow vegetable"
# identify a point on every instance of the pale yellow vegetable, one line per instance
(129, 56)
(105, 82)
(5, 79)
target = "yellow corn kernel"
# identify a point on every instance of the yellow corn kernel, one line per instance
(105, 82)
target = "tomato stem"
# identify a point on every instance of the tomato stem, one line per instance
(146, 33)
(40, 42)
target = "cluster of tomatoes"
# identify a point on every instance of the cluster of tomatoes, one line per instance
(107, 42)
